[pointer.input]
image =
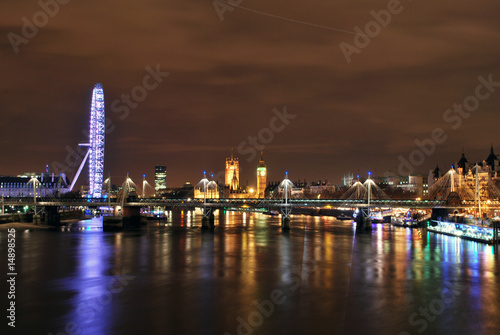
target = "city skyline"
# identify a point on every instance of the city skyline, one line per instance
(252, 175)
(250, 167)
(214, 84)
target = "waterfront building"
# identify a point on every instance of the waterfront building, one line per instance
(212, 190)
(470, 180)
(181, 192)
(489, 165)
(416, 184)
(261, 177)
(319, 188)
(47, 185)
(160, 179)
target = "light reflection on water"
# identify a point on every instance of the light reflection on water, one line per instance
(180, 279)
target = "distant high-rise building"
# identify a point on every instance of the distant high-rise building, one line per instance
(160, 178)
(232, 173)
(347, 179)
(261, 177)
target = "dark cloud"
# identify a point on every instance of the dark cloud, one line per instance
(226, 78)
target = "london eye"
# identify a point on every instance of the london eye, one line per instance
(95, 145)
(96, 148)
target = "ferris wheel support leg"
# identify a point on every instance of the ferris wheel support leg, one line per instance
(79, 170)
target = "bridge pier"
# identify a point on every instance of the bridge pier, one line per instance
(36, 219)
(208, 221)
(51, 217)
(363, 221)
(222, 216)
(495, 232)
(285, 222)
(204, 222)
(131, 216)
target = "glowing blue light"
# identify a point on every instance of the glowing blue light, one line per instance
(143, 176)
(369, 173)
(96, 137)
(204, 172)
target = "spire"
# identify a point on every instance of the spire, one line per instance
(463, 164)
(261, 161)
(462, 161)
(491, 158)
(231, 153)
(436, 172)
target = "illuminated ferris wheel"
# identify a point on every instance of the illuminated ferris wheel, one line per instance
(95, 146)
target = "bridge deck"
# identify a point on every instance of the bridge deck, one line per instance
(219, 203)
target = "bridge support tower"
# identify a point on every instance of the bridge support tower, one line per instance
(286, 208)
(51, 216)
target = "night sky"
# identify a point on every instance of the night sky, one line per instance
(226, 77)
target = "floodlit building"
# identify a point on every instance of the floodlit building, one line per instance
(232, 177)
(261, 177)
(47, 185)
(212, 190)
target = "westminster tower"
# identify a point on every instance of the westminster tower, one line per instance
(261, 177)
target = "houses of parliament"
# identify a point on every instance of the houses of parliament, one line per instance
(232, 187)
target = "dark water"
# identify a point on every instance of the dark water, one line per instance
(248, 277)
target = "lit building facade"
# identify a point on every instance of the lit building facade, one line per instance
(418, 184)
(261, 177)
(212, 190)
(232, 177)
(319, 187)
(47, 185)
(160, 178)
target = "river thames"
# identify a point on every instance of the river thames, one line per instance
(248, 277)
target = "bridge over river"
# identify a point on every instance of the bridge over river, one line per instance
(224, 203)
